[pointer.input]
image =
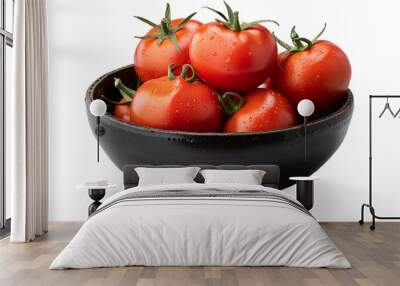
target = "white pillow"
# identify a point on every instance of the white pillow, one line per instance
(248, 177)
(163, 176)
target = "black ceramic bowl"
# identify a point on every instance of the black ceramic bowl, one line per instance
(131, 144)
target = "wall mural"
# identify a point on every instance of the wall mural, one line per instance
(219, 93)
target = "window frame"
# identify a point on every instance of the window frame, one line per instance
(6, 39)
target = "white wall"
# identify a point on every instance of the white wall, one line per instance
(91, 37)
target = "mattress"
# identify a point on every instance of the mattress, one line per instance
(201, 225)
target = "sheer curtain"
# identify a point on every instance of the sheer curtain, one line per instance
(26, 127)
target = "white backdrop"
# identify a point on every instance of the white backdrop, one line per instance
(91, 37)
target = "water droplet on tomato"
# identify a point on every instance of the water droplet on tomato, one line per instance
(228, 60)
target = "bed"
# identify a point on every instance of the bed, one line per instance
(201, 224)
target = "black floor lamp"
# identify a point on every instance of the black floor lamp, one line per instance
(305, 108)
(98, 108)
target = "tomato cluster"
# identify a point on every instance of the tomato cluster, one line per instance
(206, 77)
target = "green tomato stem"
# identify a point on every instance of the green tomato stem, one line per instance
(299, 43)
(123, 88)
(185, 69)
(235, 26)
(171, 75)
(319, 34)
(167, 14)
(164, 29)
(231, 21)
(230, 102)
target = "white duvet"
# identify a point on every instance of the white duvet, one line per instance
(200, 231)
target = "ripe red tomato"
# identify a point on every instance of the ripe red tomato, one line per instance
(319, 71)
(232, 56)
(263, 110)
(177, 103)
(123, 111)
(167, 43)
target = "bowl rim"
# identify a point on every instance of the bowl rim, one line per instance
(346, 106)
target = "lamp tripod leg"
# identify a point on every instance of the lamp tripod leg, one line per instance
(305, 138)
(98, 138)
(361, 221)
(372, 210)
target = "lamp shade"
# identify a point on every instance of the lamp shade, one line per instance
(305, 108)
(98, 107)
